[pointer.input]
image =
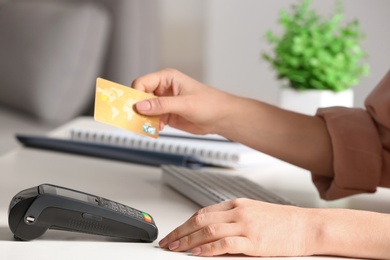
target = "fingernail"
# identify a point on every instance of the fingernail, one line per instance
(163, 242)
(196, 251)
(143, 105)
(174, 245)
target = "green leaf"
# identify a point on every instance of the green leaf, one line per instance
(317, 52)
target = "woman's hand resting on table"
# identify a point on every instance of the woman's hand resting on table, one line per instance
(244, 226)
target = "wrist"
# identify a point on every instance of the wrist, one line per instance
(329, 232)
(311, 231)
(229, 109)
(236, 117)
(350, 233)
(317, 226)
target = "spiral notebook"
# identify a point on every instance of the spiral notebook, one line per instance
(209, 149)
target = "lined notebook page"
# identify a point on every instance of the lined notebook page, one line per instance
(211, 149)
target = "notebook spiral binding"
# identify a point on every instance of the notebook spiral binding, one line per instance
(224, 154)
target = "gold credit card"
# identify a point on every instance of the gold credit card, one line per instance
(114, 105)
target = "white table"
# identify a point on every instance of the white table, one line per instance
(134, 185)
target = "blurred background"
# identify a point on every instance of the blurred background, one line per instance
(51, 51)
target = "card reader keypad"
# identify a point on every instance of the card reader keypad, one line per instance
(126, 210)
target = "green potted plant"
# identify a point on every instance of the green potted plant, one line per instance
(315, 53)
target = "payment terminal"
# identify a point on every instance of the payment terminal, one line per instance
(37, 209)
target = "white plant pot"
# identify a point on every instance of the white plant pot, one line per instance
(308, 101)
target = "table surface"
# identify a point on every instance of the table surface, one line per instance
(138, 186)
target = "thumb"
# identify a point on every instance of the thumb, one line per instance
(159, 106)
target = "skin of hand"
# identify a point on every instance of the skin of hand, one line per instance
(234, 228)
(189, 105)
(182, 102)
(256, 228)
(250, 227)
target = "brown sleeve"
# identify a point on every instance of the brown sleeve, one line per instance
(361, 141)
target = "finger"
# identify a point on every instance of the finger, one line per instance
(205, 235)
(194, 224)
(164, 119)
(223, 206)
(226, 245)
(160, 80)
(161, 105)
(147, 83)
